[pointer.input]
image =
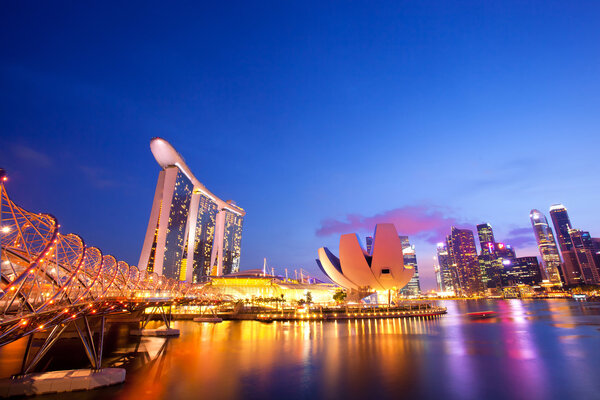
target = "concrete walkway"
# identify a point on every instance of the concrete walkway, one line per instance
(60, 381)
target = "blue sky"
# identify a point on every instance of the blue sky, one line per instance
(317, 118)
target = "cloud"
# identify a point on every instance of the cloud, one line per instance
(521, 237)
(427, 223)
(98, 177)
(33, 156)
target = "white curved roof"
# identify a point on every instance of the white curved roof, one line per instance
(384, 270)
(166, 156)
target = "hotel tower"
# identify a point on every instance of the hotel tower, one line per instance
(192, 233)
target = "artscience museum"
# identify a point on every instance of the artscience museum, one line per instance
(379, 270)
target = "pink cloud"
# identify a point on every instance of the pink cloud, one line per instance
(521, 237)
(428, 223)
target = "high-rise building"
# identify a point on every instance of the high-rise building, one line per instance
(490, 264)
(485, 234)
(547, 247)
(369, 241)
(446, 268)
(413, 288)
(521, 271)
(571, 270)
(191, 233)
(596, 243)
(462, 250)
(493, 262)
(438, 277)
(585, 251)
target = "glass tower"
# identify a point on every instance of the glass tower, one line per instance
(413, 288)
(521, 271)
(485, 234)
(490, 264)
(571, 270)
(461, 246)
(585, 251)
(446, 272)
(547, 247)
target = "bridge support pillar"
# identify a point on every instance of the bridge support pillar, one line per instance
(165, 331)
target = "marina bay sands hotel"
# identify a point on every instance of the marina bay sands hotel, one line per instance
(192, 234)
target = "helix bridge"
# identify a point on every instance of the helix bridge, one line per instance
(51, 281)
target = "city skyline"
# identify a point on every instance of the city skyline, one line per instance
(318, 126)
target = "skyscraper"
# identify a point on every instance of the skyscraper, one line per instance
(438, 277)
(585, 252)
(571, 269)
(413, 288)
(547, 247)
(369, 242)
(490, 264)
(446, 268)
(485, 234)
(191, 232)
(462, 250)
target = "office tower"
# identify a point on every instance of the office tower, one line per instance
(585, 252)
(369, 241)
(596, 243)
(413, 288)
(462, 250)
(547, 247)
(571, 270)
(490, 265)
(446, 270)
(191, 233)
(493, 260)
(521, 271)
(438, 278)
(485, 234)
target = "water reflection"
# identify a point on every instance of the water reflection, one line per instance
(531, 350)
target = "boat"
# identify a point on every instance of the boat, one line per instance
(265, 318)
(208, 318)
(482, 314)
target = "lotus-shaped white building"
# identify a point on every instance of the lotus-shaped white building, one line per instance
(381, 270)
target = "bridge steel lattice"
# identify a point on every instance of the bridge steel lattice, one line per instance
(50, 280)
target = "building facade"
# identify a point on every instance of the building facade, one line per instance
(485, 234)
(585, 252)
(521, 271)
(447, 278)
(571, 270)
(490, 265)
(413, 288)
(463, 253)
(547, 247)
(192, 234)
